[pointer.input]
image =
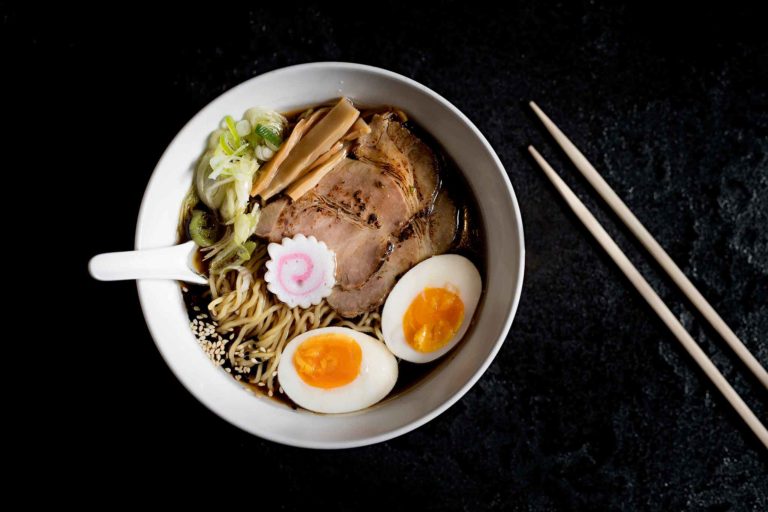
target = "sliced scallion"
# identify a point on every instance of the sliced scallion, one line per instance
(269, 135)
(202, 228)
(245, 251)
(224, 144)
(233, 130)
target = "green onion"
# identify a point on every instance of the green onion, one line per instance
(241, 150)
(245, 251)
(202, 228)
(252, 139)
(224, 145)
(268, 134)
(233, 130)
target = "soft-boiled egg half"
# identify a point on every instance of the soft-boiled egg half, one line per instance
(430, 308)
(335, 369)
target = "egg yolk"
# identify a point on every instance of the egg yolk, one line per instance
(328, 360)
(433, 319)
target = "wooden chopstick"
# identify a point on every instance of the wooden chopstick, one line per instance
(661, 309)
(650, 243)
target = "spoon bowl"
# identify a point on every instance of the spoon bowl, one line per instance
(174, 262)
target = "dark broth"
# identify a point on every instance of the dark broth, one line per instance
(469, 242)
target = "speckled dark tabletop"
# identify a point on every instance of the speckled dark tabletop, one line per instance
(590, 404)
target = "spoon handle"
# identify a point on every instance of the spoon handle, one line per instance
(165, 263)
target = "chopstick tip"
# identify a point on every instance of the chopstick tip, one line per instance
(535, 108)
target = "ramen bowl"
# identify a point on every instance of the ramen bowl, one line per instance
(285, 90)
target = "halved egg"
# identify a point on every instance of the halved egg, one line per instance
(430, 308)
(335, 369)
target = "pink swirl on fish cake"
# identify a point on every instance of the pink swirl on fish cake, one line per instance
(296, 283)
(300, 271)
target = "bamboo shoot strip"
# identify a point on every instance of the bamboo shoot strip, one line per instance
(317, 173)
(358, 129)
(317, 141)
(268, 172)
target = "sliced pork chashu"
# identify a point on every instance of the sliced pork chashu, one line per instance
(423, 237)
(354, 210)
(393, 148)
(358, 207)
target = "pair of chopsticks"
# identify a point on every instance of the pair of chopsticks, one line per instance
(642, 286)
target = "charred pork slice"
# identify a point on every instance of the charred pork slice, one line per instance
(423, 237)
(354, 210)
(358, 207)
(406, 158)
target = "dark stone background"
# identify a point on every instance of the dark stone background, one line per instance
(590, 404)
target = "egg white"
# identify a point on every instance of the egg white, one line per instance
(450, 271)
(377, 377)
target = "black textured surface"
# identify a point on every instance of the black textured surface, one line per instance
(590, 404)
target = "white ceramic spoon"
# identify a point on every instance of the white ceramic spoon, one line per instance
(165, 263)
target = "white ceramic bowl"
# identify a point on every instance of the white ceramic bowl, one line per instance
(287, 89)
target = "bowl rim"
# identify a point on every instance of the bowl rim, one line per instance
(450, 401)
